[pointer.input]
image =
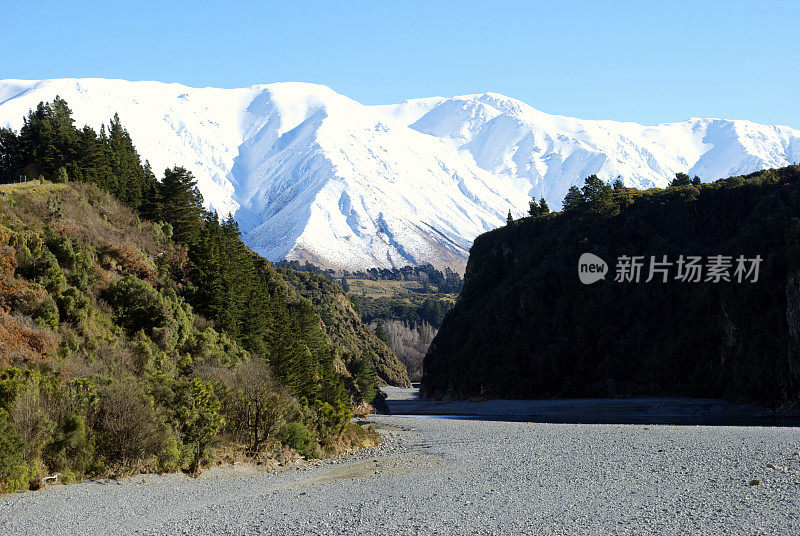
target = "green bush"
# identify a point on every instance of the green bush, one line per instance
(138, 306)
(210, 346)
(82, 272)
(48, 273)
(14, 472)
(331, 420)
(297, 436)
(46, 314)
(61, 248)
(74, 306)
(61, 175)
(72, 448)
(78, 261)
(197, 412)
(162, 232)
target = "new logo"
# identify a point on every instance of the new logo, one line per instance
(591, 268)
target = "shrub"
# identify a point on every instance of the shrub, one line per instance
(72, 448)
(197, 411)
(74, 306)
(138, 306)
(297, 436)
(258, 407)
(61, 175)
(28, 413)
(131, 432)
(8, 262)
(48, 273)
(128, 258)
(46, 314)
(23, 340)
(71, 256)
(212, 347)
(83, 271)
(14, 472)
(162, 232)
(331, 420)
(61, 248)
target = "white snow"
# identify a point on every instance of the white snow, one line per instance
(312, 174)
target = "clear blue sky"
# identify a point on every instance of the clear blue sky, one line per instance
(639, 61)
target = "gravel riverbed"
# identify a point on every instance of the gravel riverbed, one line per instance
(435, 476)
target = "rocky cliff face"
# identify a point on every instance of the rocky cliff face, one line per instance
(526, 327)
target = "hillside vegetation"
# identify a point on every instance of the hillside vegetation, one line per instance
(344, 327)
(525, 326)
(127, 345)
(403, 306)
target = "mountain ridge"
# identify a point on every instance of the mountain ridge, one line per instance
(311, 174)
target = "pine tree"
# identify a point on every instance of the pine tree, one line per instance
(597, 196)
(681, 179)
(509, 218)
(380, 332)
(61, 175)
(573, 200)
(93, 156)
(538, 208)
(11, 155)
(543, 208)
(49, 138)
(366, 377)
(533, 208)
(126, 165)
(180, 204)
(303, 374)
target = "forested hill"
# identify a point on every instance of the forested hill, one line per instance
(138, 332)
(344, 326)
(525, 326)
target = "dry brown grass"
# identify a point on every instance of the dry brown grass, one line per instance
(84, 213)
(22, 342)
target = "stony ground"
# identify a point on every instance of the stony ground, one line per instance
(434, 476)
(403, 401)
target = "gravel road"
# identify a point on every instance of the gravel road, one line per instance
(434, 476)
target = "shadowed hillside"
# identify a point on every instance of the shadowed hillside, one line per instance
(525, 326)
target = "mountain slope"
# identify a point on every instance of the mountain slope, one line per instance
(313, 175)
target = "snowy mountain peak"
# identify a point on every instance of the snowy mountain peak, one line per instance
(313, 175)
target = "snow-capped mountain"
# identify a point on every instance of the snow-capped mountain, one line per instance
(313, 175)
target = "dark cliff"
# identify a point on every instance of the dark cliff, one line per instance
(526, 327)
